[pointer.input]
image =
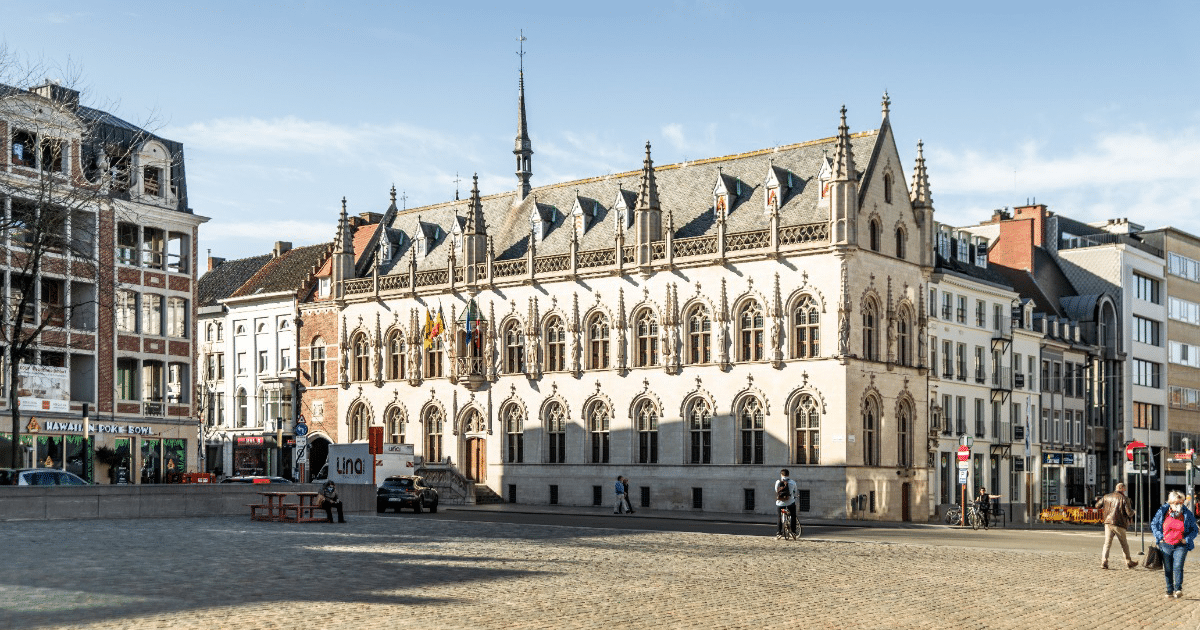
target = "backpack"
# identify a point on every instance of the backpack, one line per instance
(783, 491)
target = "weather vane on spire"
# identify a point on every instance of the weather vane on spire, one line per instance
(521, 51)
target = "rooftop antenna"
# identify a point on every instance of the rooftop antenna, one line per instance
(521, 51)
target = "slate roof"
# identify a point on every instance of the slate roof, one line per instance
(685, 193)
(1081, 308)
(287, 272)
(987, 274)
(227, 277)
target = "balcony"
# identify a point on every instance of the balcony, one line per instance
(1002, 379)
(471, 372)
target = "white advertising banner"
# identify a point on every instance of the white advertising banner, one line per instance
(44, 388)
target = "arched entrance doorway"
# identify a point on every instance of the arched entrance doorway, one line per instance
(318, 454)
(476, 459)
(474, 453)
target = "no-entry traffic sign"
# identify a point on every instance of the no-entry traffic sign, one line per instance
(964, 453)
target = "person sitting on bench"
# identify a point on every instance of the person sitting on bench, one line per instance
(329, 500)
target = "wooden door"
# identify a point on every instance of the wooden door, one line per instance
(476, 459)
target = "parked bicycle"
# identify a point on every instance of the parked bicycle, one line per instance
(954, 516)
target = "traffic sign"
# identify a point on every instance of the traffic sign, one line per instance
(964, 453)
(963, 464)
(1132, 445)
(301, 429)
(962, 476)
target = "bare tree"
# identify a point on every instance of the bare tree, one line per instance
(64, 175)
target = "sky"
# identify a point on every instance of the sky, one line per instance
(284, 108)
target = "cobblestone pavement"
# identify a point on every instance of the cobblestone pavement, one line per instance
(385, 572)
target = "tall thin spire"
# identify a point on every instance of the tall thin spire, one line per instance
(921, 196)
(843, 156)
(345, 240)
(522, 148)
(886, 105)
(475, 224)
(648, 197)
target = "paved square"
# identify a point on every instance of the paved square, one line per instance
(423, 572)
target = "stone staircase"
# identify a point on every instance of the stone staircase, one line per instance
(484, 494)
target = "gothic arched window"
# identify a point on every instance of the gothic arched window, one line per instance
(358, 421)
(904, 435)
(870, 319)
(556, 345)
(647, 338)
(751, 425)
(806, 329)
(362, 358)
(699, 422)
(556, 430)
(597, 416)
(433, 422)
(646, 419)
(750, 332)
(514, 433)
(597, 332)
(699, 331)
(870, 420)
(395, 354)
(514, 348)
(806, 422)
(394, 421)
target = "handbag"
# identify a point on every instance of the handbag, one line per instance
(1153, 558)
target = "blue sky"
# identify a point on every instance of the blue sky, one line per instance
(284, 108)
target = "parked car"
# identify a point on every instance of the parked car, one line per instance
(39, 477)
(255, 479)
(405, 491)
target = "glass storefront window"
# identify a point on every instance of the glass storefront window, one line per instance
(151, 471)
(49, 452)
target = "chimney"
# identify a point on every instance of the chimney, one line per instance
(213, 263)
(51, 90)
(281, 248)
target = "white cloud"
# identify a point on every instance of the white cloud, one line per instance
(691, 148)
(316, 137)
(1151, 179)
(59, 17)
(1119, 158)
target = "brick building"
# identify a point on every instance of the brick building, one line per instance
(116, 289)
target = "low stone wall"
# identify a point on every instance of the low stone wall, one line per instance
(157, 501)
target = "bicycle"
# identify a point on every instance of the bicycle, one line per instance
(954, 516)
(785, 521)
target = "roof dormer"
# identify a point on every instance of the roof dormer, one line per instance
(777, 185)
(150, 179)
(725, 194)
(426, 238)
(541, 219)
(583, 214)
(623, 207)
(825, 175)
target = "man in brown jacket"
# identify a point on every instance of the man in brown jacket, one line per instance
(1118, 514)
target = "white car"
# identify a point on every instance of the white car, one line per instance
(39, 477)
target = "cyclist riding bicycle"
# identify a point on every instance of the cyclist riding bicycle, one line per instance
(785, 496)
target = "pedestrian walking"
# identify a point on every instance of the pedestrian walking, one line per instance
(1175, 530)
(628, 504)
(620, 490)
(1118, 514)
(785, 495)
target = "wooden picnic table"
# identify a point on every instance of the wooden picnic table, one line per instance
(275, 507)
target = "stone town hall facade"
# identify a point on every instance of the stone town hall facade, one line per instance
(695, 327)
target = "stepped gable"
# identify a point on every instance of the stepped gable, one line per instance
(684, 190)
(226, 278)
(287, 272)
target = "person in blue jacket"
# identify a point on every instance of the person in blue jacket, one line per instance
(1175, 530)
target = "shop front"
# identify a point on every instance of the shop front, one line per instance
(105, 451)
(1063, 479)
